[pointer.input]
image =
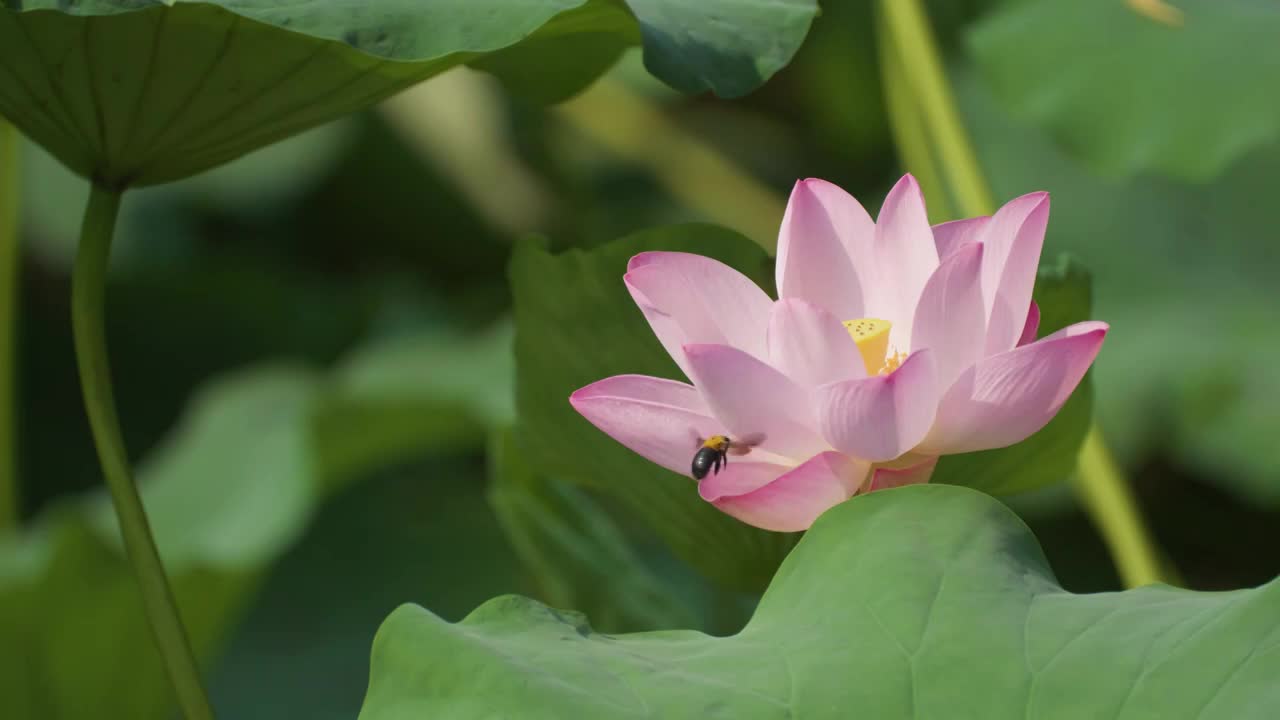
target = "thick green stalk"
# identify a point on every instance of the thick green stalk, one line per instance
(1103, 488)
(1108, 499)
(909, 134)
(9, 257)
(922, 69)
(88, 284)
(689, 168)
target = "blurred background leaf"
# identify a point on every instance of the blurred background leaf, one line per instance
(1177, 89)
(577, 554)
(420, 529)
(1184, 275)
(228, 492)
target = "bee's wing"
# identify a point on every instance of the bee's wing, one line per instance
(743, 445)
(697, 439)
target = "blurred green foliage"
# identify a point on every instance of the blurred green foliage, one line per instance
(1174, 89)
(578, 555)
(1178, 268)
(311, 350)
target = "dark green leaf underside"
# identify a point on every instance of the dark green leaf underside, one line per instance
(727, 46)
(926, 601)
(141, 96)
(137, 93)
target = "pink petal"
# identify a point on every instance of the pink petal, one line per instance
(823, 248)
(795, 499)
(879, 418)
(693, 299)
(810, 345)
(664, 326)
(755, 402)
(949, 320)
(1013, 238)
(1007, 397)
(740, 478)
(948, 236)
(905, 257)
(661, 420)
(885, 478)
(1032, 327)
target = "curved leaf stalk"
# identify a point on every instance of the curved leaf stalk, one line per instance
(1100, 482)
(10, 499)
(687, 167)
(910, 136)
(922, 72)
(1109, 500)
(88, 284)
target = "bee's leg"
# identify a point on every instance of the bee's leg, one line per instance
(715, 464)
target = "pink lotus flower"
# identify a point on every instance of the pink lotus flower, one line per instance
(891, 343)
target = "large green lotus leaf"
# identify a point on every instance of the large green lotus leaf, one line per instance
(927, 601)
(576, 324)
(134, 92)
(1064, 294)
(137, 92)
(1129, 93)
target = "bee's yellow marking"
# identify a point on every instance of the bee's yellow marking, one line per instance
(719, 443)
(1157, 10)
(872, 337)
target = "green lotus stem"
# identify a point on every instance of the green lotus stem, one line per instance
(909, 134)
(1100, 482)
(689, 168)
(88, 285)
(1108, 498)
(917, 49)
(10, 498)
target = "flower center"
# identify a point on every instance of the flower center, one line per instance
(872, 337)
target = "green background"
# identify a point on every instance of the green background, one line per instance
(316, 353)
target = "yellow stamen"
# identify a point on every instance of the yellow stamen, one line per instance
(892, 362)
(872, 337)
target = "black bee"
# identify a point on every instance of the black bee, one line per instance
(713, 454)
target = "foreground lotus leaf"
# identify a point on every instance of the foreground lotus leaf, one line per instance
(138, 92)
(924, 601)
